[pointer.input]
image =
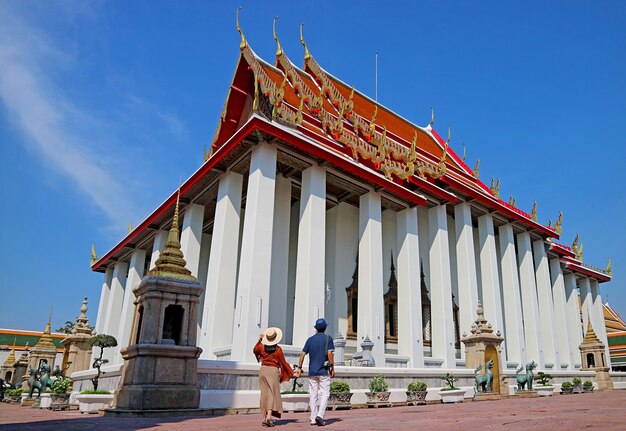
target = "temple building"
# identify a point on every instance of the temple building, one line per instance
(314, 200)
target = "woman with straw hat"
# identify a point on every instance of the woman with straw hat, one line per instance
(274, 370)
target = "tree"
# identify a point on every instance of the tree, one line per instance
(102, 341)
(67, 329)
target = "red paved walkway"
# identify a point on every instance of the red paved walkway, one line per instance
(595, 411)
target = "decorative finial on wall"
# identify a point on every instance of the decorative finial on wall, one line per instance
(307, 54)
(559, 221)
(94, 257)
(279, 49)
(243, 43)
(533, 212)
(476, 168)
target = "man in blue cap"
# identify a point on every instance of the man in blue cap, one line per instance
(320, 349)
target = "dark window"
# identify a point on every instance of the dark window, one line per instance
(173, 323)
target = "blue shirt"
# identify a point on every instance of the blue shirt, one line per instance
(315, 347)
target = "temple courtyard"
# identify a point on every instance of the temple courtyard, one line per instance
(592, 411)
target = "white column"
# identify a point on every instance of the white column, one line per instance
(342, 243)
(114, 306)
(221, 278)
(280, 254)
(599, 324)
(528, 287)
(310, 272)
(159, 244)
(253, 285)
(410, 342)
(205, 254)
(466, 269)
(574, 328)
(104, 300)
(492, 301)
(442, 323)
(191, 236)
(546, 304)
(514, 327)
(586, 303)
(135, 273)
(560, 314)
(370, 302)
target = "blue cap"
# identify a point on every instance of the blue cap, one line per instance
(320, 324)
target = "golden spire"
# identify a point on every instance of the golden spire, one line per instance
(46, 338)
(307, 54)
(171, 262)
(579, 255)
(533, 213)
(94, 257)
(590, 336)
(512, 200)
(432, 116)
(279, 49)
(476, 168)
(549, 222)
(10, 360)
(130, 227)
(559, 221)
(243, 43)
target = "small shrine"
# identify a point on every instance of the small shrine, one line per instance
(44, 352)
(6, 369)
(593, 359)
(77, 354)
(160, 364)
(483, 352)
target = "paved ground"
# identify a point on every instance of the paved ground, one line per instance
(595, 411)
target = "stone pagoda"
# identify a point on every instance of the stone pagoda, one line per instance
(43, 352)
(483, 346)
(592, 352)
(160, 364)
(6, 369)
(77, 355)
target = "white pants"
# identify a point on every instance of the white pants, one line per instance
(320, 390)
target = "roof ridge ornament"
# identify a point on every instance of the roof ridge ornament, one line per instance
(559, 221)
(94, 256)
(243, 43)
(476, 168)
(533, 212)
(279, 48)
(432, 116)
(307, 54)
(608, 267)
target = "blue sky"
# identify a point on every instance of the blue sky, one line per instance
(104, 106)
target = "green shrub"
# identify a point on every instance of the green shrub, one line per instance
(417, 387)
(566, 385)
(378, 384)
(17, 392)
(61, 385)
(339, 387)
(577, 381)
(294, 393)
(588, 385)
(450, 381)
(96, 392)
(543, 378)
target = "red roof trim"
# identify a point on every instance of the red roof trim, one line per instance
(577, 267)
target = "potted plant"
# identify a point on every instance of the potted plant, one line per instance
(567, 388)
(588, 386)
(577, 382)
(450, 393)
(378, 394)
(14, 395)
(93, 401)
(340, 395)
(295, 401)
(60, 399)
(544, 388)
(416, 393)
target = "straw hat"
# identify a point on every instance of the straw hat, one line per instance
(272, 336)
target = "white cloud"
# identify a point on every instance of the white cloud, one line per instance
(58, 130)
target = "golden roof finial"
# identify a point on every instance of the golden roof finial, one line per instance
(94, 257)
(608, 267)
(497, 190)
(307, 54)
(579, 255)
(171, 262)
(476, 168)
(464, 151)
(279, 49)
(448, 140)
(549, 222)
(243, 43)
(575, 244)
(533, 212)
(130, 227)
(432, 116)
(558, 226)
(206, 155)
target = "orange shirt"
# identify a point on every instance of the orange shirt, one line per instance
(273, 359)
